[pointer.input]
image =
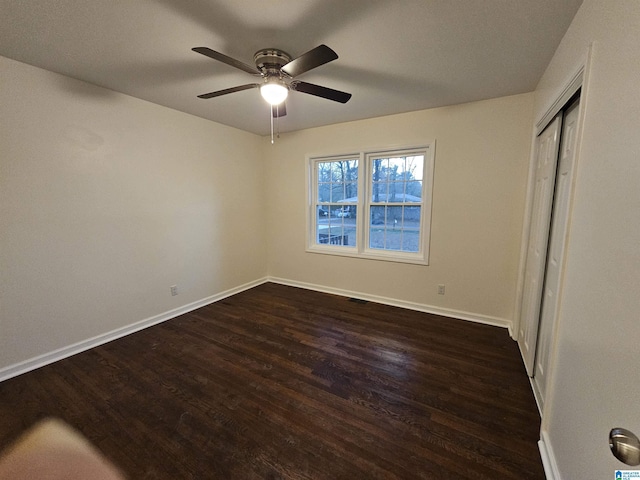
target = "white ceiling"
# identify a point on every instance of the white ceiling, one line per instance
(395, 55)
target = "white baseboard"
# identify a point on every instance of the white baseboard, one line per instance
(445, 312)
(548, 458)
(64, 352)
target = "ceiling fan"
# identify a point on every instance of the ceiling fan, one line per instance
(278, 70)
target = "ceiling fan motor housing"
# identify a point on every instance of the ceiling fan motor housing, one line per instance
(270, 60)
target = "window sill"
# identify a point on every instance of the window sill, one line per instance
(352, 252)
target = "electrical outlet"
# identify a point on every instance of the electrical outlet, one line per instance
(441, 289)
(174, 290)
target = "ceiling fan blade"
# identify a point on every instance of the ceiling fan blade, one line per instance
(229, 90)
(307, 61)
(279, 110)
(221, 57)
(319, 91)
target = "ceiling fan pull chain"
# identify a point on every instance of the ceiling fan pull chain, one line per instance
(278, 121)
(271, 116)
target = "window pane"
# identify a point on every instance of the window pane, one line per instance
(323, 211)
(324, 171)
(395, 193)
(413, 192)
(411, 230)
(414, 167)
(346, 211)
(344, 171)
(337, 194)
(336, 173)
(337, 180)
(380, 167)
(336, 232)
(393, 228)
(377, 215)
(395, 183)
(396, 169)
(351, 192)
(412, 216)
(379, 192)
(332, 235)
(324, 192)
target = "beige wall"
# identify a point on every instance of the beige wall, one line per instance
(596, 381)
(481, 165)
(106, 201)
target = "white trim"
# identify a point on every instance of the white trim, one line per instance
(548, 458)
(561, 101)
(524, 243)
(397, 257)
(420, 307)
(64, 352)
(510, 329)
(575, 83)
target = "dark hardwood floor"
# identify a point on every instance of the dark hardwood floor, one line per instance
(283, 383)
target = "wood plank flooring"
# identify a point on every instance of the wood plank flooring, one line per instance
(283, 383)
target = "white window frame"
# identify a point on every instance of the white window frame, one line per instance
(365, 169)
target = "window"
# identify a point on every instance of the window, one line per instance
(372, 204)
(337, 201)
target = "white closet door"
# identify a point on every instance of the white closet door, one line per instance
(546, 160)
(556, 252)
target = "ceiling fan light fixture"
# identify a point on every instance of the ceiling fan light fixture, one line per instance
(274, 92)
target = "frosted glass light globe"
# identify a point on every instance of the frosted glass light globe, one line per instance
(274, 93)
